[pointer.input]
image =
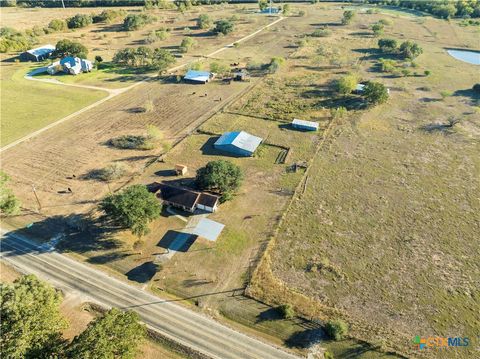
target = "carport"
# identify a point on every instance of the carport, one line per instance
(208, 229)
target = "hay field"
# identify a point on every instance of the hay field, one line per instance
(27, 106)
(41, 104)
(385, 234)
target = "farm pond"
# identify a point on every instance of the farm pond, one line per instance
(472, 57)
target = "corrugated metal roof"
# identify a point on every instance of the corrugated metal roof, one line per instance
(240, 139)
(303, 123)
(42, 50)
(193, 75)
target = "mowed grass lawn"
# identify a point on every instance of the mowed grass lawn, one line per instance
(27, 106)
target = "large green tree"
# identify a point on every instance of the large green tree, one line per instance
(221, 176)
(132, 208)
(162, 59)
(79, 20)
(204, 21)
(375, 93)
(71, 48)
(9, 204)
(115, 335)
(223, 27)
(410, 50)
(31, 323)
(346, 84)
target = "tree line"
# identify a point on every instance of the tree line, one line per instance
(32, 326)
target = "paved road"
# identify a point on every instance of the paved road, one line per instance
(174, 321)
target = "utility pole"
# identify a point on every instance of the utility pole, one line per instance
(36, 197)
(63, 4)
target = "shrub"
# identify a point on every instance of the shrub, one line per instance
(13, 40)
(204, 21)
(112, 172)
(346, 84)
(286, 9)
(187, 44)
(445, 94)
(387, 65)
(223, 27)
(156, 35)
(108, 15)
(324, 32)
(339, 113)
(336, 329)
(57, 25)
(387, 45)
(377, 29)
(476, 88)
(137, 21)
(410, 50)
(348, 16)
(71, 48)
(385, 22)
(131, 142)
(9, 204)
(219, 68)
(275, 64)
(286, 311)
(98, 59)
(263, 4)
(79, 20)
(301, 13)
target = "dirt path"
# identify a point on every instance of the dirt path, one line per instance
(115, 92)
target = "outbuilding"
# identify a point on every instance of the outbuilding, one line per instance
(201, 77)
(239, 143)
(304, 125)
(240, 75)
(38, 54)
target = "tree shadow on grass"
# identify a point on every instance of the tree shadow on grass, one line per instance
(306, 338)
(470, 94)
(268, 314)
(349, 102)
(76, 233)
(143, 273)
(108, 257)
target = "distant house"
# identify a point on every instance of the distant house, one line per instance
(270, 10)
(239, 143)
(70, 65)
(304, 125)
(38, 54)
(186, 199)
(198, 76)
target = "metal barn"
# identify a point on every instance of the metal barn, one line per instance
(239, 143)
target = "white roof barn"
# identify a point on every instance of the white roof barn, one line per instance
(38, 54)
(198, 76)
(304, 125)
(240, 143)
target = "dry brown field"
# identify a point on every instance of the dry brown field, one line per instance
(339, 200)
